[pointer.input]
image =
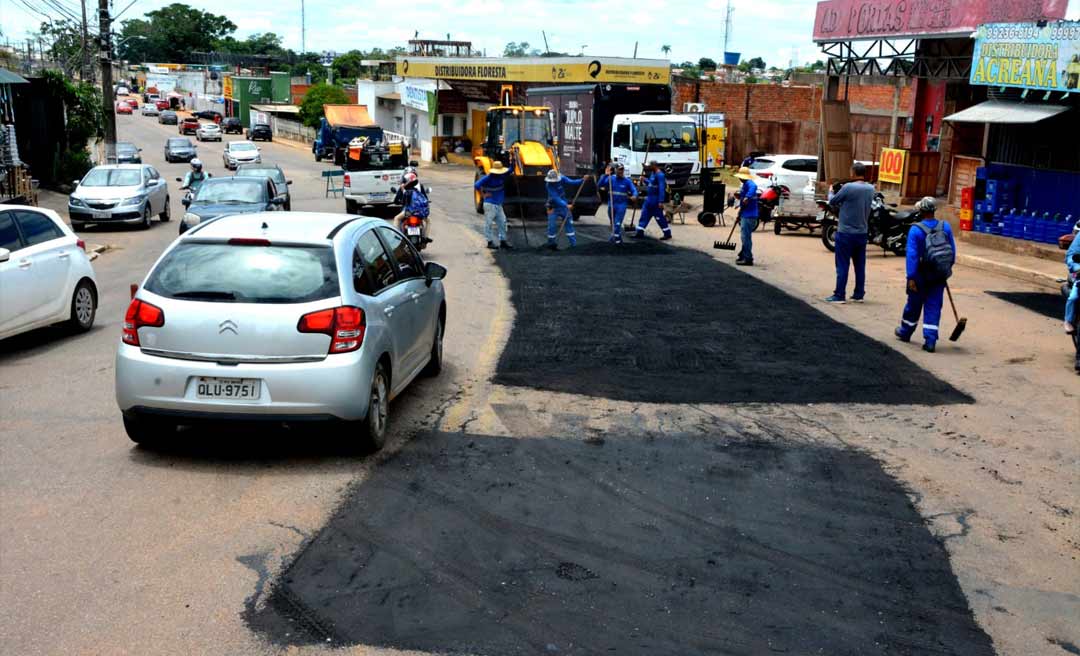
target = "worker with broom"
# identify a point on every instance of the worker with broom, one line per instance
(931, 253)
(748, 216)
(655, 192)
(492, 188)
(557, 207)
(620, 190)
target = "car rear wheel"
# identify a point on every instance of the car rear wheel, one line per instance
(372, 428)
(166, 213)
(351, 207)
(148, 432)
(83, 306)
(77, 225)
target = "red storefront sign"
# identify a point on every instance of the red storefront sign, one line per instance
(868, 19)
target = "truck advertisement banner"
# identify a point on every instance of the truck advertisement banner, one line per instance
(227, 88)
(1028, 56)
(714, 139)
(557, 70)
(839, 20)
(163, 83)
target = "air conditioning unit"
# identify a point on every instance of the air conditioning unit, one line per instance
(693, 108)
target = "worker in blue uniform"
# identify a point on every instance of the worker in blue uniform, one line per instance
(1072, 261)
(748, 216)
(492, 188)
(557, 207)
(925, 295)
(621, 190)
(655, 194)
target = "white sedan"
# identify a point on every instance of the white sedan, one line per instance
(793, 171)
(208, 132)
(45, 274)
(150, 109)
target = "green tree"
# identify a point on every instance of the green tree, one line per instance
(519, 49)
(266, 43)
(706, 64)
(666, 49)
(748, 65)
(347, 67)
(66, 39)
(172, 33)
(311, 109)
(84, 120)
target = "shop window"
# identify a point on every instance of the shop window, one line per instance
(448, 126)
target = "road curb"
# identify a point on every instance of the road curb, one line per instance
(1008, 270)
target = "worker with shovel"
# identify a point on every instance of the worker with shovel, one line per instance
(655, 192)
(620, 191)
(557, 207)
(931, 252)
(493, 189)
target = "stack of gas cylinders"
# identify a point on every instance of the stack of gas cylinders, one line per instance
(1001, 212)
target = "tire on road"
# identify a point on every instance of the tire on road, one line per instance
(828, 236)
(148, 432)
(434, 365)
(166, 213)
(351, 207)
(83, 306)
(145, 225)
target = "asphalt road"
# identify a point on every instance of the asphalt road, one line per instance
(635, 453)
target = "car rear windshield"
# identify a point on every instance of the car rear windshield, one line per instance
(759, 164)
(226, 273)
(112, 178)
(179, 143)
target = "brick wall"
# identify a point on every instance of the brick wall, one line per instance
(765, 102)
(878, 99)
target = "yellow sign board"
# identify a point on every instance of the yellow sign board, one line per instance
(555, 70)
(226, 87)
(893, 163)
(713, 136)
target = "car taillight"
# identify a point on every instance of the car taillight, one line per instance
(414, 221)
(139, 314)
(763, 174)
(346, 183)
(81, 244)
(345, 325)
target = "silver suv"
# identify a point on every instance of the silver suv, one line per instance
(280, 317)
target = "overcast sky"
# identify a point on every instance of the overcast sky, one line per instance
(770, 29)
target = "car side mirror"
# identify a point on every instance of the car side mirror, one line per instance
(288, 182)
(277, 200)
(76, 182)
(427, 191)
(179, 180)
(434, 271)
(185, 201)
(393, 190)
(5, 255)
(413, 163)
(259, 148)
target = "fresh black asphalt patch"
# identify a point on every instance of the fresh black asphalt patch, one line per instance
(1047, 304)
(651, 322)
(497, 546)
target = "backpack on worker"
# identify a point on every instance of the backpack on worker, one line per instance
(419, 205)
(938, 254)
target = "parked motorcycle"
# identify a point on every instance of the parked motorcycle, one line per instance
(886, 227)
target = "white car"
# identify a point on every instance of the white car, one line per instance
(45, 274)
(149, 109)
(282, 318)
(240, 152)
(208, 132)
(793, 171)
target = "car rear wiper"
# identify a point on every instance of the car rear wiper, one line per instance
(206, 293)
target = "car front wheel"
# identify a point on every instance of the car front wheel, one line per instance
(83, 306)
(166, 213)
(145, 225)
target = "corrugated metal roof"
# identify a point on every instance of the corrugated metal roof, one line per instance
(1001, 111)
(353, 116)
(7, 77)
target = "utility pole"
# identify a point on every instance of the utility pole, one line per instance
(84, 70)
(303, 30)
(105, 25)
(727, 24)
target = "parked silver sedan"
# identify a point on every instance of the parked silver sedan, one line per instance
(280, 317)
(119, 193)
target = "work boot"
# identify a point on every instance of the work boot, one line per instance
(901, 336)
(638, 234)
(1069, 328)
(492, 245)
(929, 345)
(742, 262)
(552, 246)
(505, 244)
(837, 300)
(667, 236)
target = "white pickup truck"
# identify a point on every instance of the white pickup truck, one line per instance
(373, 171)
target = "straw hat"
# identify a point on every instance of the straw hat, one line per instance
(552, 176)
(497, 168)
(744, 173)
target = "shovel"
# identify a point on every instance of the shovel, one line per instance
(961, 322)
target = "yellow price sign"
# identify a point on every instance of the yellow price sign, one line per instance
(891, 167)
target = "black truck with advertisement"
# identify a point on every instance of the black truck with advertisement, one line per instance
(585, 123)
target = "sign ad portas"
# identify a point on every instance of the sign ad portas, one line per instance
(1028, 56)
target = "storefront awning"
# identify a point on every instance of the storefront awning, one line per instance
(390, 96)
(7, 77)
(1001, 111)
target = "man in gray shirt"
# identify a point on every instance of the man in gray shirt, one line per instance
(852, 203)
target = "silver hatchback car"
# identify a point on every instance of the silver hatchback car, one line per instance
(281, 317)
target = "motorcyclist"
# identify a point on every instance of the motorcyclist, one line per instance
(414, 202)
(194, 178)
(1072, 262)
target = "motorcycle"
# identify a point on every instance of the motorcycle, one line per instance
(1066, 289)
(885, 227)
(414, 227)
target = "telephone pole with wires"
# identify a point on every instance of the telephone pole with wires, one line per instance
(105, 58)
(303, 30)
(84, 71)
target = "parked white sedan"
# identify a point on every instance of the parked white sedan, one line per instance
(793, 171)
(150, 109)
(208, 132)
(45, 274)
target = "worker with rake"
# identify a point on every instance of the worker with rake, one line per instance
(557, 207)
(620, 190)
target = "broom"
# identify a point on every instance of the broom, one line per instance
(558, 230)
(961, 322)
(627, 227)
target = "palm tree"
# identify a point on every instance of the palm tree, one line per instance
(666, 49)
